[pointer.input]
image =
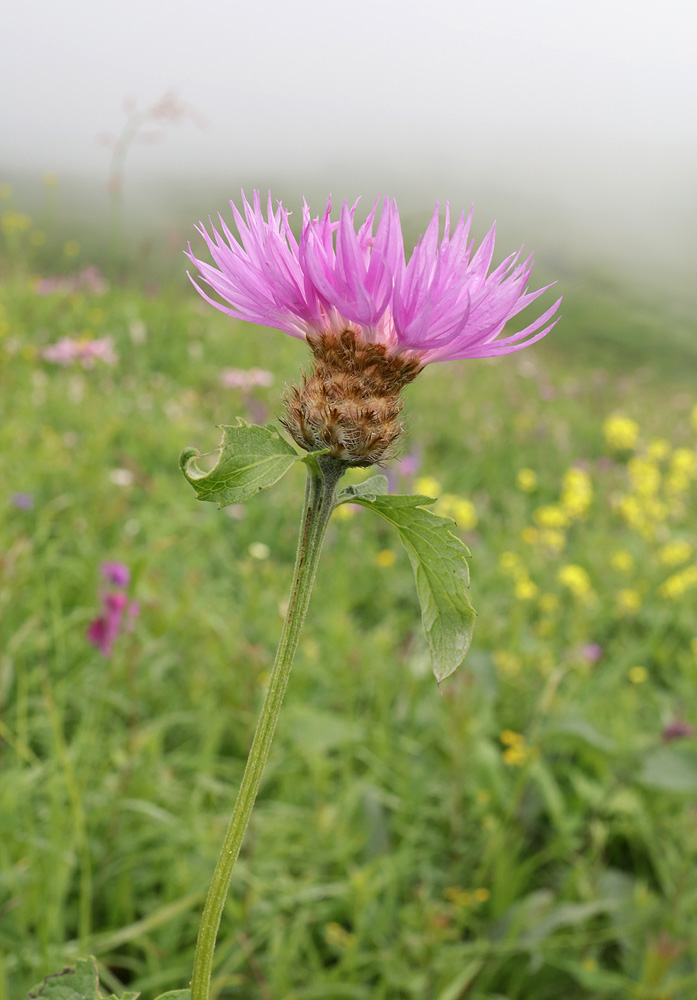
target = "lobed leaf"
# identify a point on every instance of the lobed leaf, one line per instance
(367, 490)
(251, 459)
(79, 983)
(438, 558)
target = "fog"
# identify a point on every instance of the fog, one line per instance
(578, 120)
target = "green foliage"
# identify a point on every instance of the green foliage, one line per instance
(251, 459)
(438, 558)
(82, 983)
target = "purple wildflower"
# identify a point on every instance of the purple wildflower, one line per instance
(116, 572)
(117, 613)
(592, 652)
(441, 305)
(22, 501)
(677, 729)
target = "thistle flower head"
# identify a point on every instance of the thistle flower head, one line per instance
(441, 305)
(371, 318)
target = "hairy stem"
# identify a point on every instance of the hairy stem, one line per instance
(320, 499)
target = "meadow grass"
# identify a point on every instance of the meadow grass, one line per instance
(526, 832)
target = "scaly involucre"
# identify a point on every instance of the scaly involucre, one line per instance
(440, 306)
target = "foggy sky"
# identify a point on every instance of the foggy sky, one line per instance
(589, 106)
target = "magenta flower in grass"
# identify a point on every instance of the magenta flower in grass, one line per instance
(117, 613)
(371, 319)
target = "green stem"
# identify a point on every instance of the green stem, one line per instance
(320, 500)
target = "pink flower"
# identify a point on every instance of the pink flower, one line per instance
(239, 378)
(441, 305)
(116, 572)
(117, 613)
(70, 350)
(592, 652)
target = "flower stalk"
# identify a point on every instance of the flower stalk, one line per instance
(320, 500)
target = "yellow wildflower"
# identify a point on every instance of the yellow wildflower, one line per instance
(638, 675)
(622, 561)
(576, 579)
(386, 558)
(510, 738)
(577, 493)
(481, 895)
(463, 511)
(628, 601)
(526, 480)
(549, 603)
(460, 897)
(675, 553)
(644, 476)
(71, 248)
(337, 936)
(509, 561)
(525, 589)
(676, 585)
(551, 538)
(621, 433)
(658, 449)
(428, 485)
(515, 756)
(530, 536)
(684, 460)
(551, 516)
(506, 662)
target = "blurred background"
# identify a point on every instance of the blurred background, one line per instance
(573, 124)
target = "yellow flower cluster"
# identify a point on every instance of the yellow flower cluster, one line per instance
(463, 511)
(678, 584)
(675, 553)
(525, 588)
(526, 480)
(14, 222)
(466, 897)
(627, 602)
(576, 493)
(655, 497)
(517, 752)
(621, 433)
(576, 580)
(506, 662)
(622, 561)
(338, 937)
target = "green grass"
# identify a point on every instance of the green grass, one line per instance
(396, 851)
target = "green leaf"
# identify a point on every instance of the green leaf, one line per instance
(130, 996)
(438, 558)
(251, 459)
(175, 995)
(367, 490)
(80, 983)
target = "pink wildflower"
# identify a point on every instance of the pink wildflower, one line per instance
(117, 613)
(70, 350)
(239, 378)
(116, 572)
(677, 729)
(89, 279)
(592, 652)
(441, 305)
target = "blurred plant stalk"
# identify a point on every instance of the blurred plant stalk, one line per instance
(146, 128)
